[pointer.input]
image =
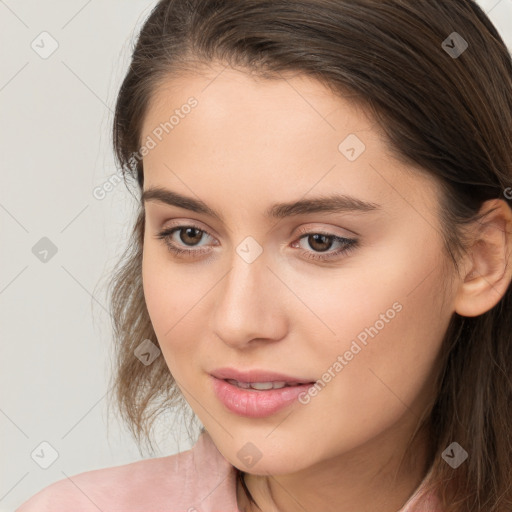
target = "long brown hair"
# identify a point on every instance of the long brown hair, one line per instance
(449, 113)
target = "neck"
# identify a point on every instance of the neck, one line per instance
(372, 478)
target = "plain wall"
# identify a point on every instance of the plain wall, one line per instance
(55, 150)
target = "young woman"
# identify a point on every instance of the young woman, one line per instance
(321, 262)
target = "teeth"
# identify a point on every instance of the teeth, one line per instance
(261, 386)
(267, 385)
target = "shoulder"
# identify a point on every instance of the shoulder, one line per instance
(176, 482)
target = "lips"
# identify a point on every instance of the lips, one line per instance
(258, 377)
(257, 403)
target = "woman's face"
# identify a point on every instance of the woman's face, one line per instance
(269, 288)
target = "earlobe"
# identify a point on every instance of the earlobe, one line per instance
(488, 263)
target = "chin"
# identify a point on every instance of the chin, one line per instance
(268, 457)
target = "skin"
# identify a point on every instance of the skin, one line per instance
(253, 142)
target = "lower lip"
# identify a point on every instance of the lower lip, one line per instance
(253, 403)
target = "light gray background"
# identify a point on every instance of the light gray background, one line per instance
(56, 116)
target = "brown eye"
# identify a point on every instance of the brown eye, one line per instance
(189, 235)
(320, 242)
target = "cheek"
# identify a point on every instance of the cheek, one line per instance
(389, 334)
(175, 297)
(168, 287)
(157, 289)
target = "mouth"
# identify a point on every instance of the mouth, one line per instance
(264, 386)
(258, 379)
(257, 394)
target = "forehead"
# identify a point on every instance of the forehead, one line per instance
(264, 134)
(227, 94)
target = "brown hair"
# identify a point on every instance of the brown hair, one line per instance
(449, 114)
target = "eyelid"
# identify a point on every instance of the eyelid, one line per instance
(329, 230)
(162, 211)
(179, 222)
(162, 214)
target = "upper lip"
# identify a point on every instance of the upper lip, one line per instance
(256, 375)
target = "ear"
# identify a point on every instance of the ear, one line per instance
(488, 263)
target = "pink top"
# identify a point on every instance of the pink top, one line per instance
(197, 480)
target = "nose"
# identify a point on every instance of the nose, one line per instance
(249, 304)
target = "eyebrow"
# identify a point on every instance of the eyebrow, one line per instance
(335, 203)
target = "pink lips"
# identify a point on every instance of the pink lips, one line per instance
(255, 403)
(256, 376)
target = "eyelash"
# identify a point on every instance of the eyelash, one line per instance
(349, 243)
